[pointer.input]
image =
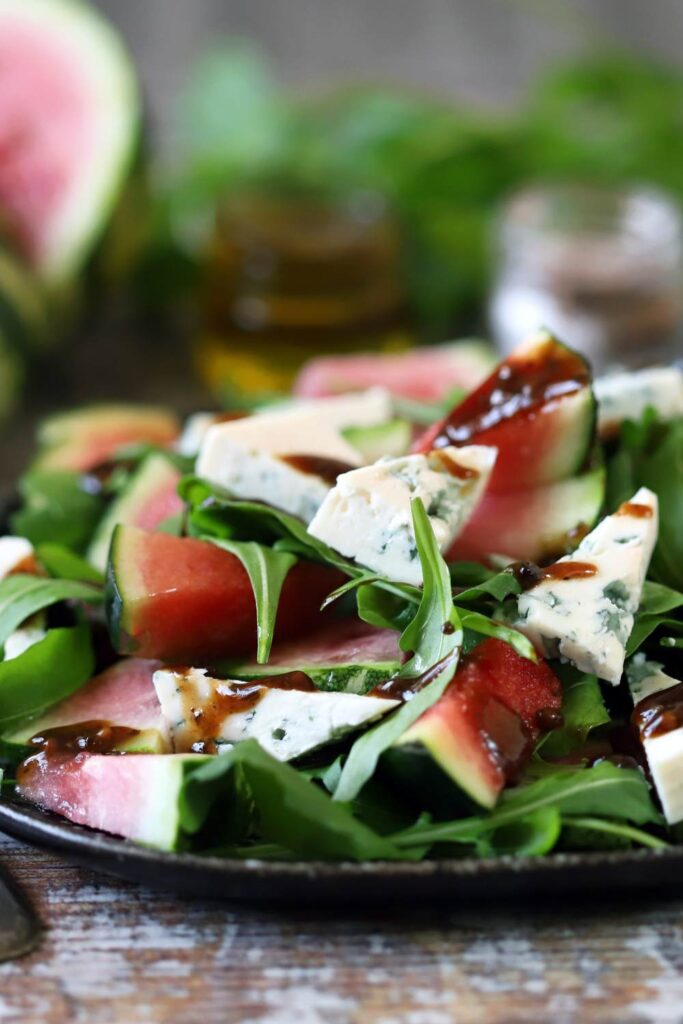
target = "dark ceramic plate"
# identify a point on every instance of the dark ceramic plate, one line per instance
(501, 878)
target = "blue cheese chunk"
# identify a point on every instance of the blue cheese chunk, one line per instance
(626, 396)
(585, 615)
(206, 714)
(364, 409)
(263, 458)
(367, 516)
(664, 752)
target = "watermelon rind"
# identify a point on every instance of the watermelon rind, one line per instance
(108, 72)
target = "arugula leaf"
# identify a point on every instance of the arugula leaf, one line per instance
(291, 810)
(612, 829)
(478, 623)
(46, 673)
(267, 570)
(383, 608)
(432, 648)
(499, 586)
(21, 596)
(65, 565)
(583, 709)
(602, 791)
(655, 602)
(650, 454)
(533, 835)
(57, 509)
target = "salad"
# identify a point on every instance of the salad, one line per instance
(353, 625)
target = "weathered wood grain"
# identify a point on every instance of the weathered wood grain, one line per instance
(117, 954)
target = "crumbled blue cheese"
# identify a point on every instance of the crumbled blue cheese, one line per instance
(14, 551)
(367, 516)
(665, 752)
(286, 722)
(626, 396)
(587, 620)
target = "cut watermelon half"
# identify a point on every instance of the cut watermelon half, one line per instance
(427, 374)
(482, 731)
(189, 601)
(69, 115)
(149, 498)
(537, 525)
(537, 408)
(348, 656)
(84, 438)
(136, 795)
(123, 695)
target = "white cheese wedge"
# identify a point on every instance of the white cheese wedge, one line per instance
(364, 409)
(14, 551)
(259, 458)
(367, 516)
(203, 713)
(587, 619)
(664, 752)
(626, 396)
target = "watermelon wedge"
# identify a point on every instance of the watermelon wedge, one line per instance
(135, 796)
(150, 497)
(427, 374)
(536, 525)
(123, 695)
(482, 731)
(186, 600)
(537, 408)
(69, 114)
(84, 438)
(349, 656)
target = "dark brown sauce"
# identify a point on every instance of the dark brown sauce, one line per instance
(316, 465)
(632, 508)
(529, 575)
(508, 740)
(67, 741)
(405, 687)
(659, 713)
(454, 468)
(515, 389)
(232, 697)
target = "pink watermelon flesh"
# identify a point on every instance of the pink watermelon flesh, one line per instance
(422, 374)
(131, 795)
(160, 506)
(343, 643)
(122, 695)
(535, 525)
(68, 115)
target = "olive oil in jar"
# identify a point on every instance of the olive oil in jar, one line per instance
(291, 276)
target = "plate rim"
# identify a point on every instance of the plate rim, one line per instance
(43, 828)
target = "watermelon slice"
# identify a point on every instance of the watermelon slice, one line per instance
(482, 732)
(68, 127)
(537, 408)
(150, 497)
(186, 600)
(536, 525)
(349, 656)
(422, 374)
(123, 695)
(135, 796)
(84, 438)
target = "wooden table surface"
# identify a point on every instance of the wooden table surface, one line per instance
(115, 953)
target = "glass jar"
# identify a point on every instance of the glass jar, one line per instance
(290, 276)
(601, 268)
